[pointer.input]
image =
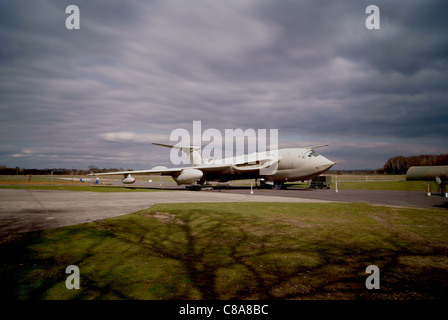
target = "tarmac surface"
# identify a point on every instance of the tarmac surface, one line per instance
(416, 199)
(30, 210)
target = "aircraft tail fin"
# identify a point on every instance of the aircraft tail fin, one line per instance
(190, 151)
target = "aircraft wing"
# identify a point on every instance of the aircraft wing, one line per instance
(241, 164)
(166, 171)
(247, 164)
(183, 175)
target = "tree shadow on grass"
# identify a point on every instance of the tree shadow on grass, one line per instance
(226, 256)
(17, 262)
(202, 254)
(27, 274)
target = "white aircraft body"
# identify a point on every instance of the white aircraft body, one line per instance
(276, 167)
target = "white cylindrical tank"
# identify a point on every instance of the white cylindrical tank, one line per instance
(189, 176)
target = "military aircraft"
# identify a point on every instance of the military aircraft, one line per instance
(275, 167)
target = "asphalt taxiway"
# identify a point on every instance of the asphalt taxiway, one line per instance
(417, 199)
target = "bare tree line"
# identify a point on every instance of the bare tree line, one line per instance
(401, 164)
(59, 171)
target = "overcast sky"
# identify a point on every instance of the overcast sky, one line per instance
(137, 70)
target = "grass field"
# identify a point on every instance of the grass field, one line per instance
(362, 182)
(381, 182)
(47, 183)
(68, 180)
(376, 182)
(236, 251)
(85, 187)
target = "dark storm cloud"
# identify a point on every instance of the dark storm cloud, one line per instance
(136, 71)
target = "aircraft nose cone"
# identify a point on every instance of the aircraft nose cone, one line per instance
(324, 164)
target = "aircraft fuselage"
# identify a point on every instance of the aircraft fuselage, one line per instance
(295, 164)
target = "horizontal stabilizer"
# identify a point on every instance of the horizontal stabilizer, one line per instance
(315, 147)
(176, 147)
(190, 151)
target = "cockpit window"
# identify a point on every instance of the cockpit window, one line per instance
(312, 154)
